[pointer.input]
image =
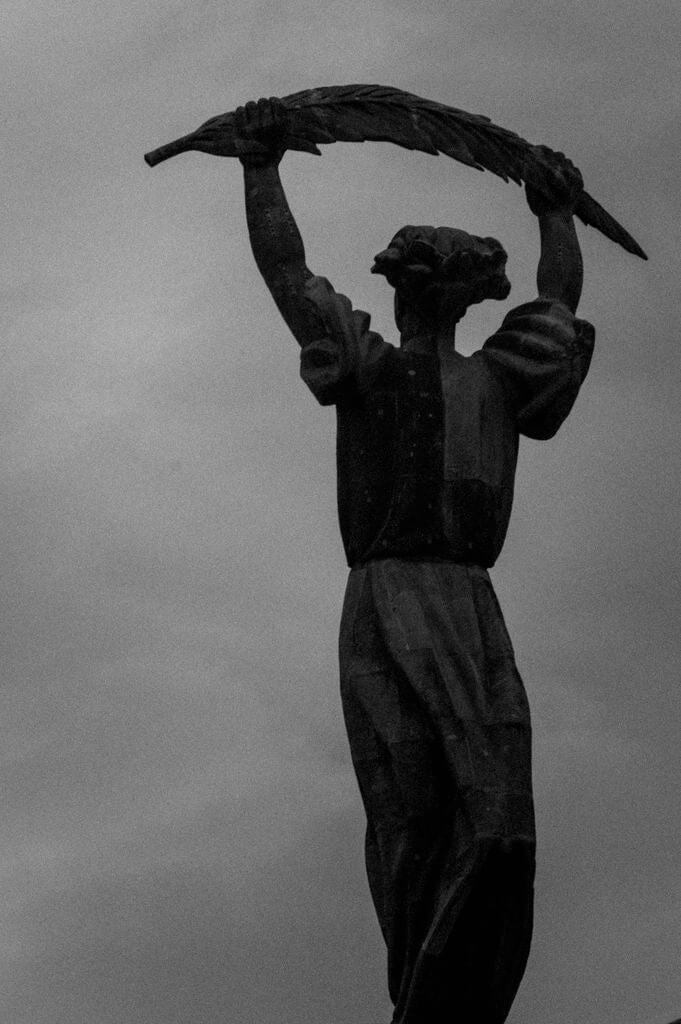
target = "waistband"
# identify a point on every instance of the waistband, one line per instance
(417, 560)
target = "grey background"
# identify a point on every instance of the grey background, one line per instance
(182, 835)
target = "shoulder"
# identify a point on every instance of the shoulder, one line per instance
(547, 318)
(347, 354)
(334, 305)
(541, 355)
(543, 331)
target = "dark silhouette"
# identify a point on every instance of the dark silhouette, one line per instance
(436, 712)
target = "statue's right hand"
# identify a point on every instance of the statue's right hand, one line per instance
(260, 131)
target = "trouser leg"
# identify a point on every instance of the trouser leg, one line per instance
(423, 860)
(410, 812)
(439, 782)
(474, 976)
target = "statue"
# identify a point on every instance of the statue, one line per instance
(436, 712)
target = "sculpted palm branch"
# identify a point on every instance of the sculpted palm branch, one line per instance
(376, 113)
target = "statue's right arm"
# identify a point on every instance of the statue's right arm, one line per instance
(275, 238)
(278, 248)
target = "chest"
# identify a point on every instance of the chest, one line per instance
(480, 437)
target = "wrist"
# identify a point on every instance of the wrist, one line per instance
(562, 214)
(543, 205)
(260, 161)
(261, 177)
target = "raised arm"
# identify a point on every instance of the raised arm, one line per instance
(560, 270)
(275, 239)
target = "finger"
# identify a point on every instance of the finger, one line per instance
(279, 111)
(251, 115)
(260, 113)
(267, 118)
(244, 117)
(544, 153)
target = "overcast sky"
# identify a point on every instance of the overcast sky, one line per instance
(182, 832)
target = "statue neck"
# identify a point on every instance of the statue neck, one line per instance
(432, 334)
(428, 339)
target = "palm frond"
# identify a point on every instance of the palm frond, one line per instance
(378, 113)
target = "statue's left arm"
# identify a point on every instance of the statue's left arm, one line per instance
(542, 352)
(560, 270)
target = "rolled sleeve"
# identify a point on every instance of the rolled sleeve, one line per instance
(343, 358)
(542, 354)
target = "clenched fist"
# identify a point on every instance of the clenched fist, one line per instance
(261, 128)
(553, 183)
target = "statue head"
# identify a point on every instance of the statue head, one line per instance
(437, 273)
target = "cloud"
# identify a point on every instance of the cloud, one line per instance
(183, 835)
(172, 938)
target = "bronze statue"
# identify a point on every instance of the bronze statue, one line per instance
(436, 712)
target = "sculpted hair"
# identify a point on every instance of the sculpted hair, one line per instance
(421, 257)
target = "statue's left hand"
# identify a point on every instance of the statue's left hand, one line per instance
(557, 186)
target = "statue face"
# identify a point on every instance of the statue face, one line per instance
(438, 273)
(436, 305)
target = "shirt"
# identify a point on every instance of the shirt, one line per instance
(426, 463)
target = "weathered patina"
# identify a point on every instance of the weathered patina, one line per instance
(436, 712)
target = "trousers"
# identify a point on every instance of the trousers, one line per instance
(439, 731)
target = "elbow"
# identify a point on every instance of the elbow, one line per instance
(567, 296)
(562, 285)
(284, 276)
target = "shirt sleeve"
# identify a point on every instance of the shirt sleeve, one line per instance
(348, 354)
(542, 354)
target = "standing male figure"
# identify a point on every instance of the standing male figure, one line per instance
(435, 709)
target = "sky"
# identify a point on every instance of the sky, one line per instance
(182, 839)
